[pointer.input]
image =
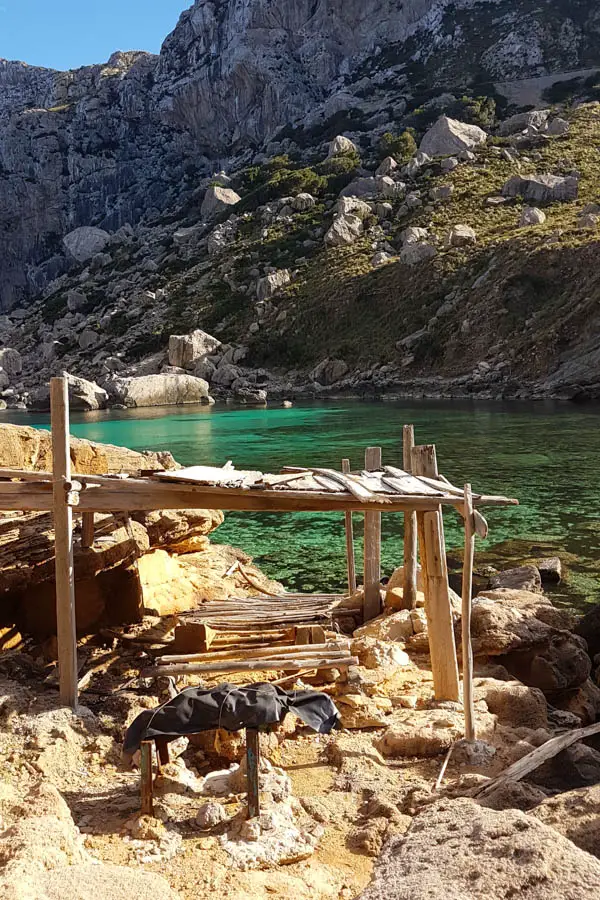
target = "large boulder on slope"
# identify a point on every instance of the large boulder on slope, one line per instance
(11, 361)
(449, 136)
(160, 390)
(542, 188)
(217, 199)
(84, 395)
(85, 242)
(458, 850)
(185, 350)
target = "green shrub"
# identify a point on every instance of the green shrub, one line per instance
(401, 147)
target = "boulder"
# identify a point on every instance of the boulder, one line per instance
(558, 127)
(360, 711)
(550, 570)
(83, 395)
(589, 629)
(449, 136)
(413, 235)
(386, 167)
(217, 199)
(85, 242)
(537, 119)
(380, 258)
(542, 188)
(366, 186)
(458, 850)
(521, 578)
(76, 300)
(185, 350)
(329, 371)
(576, 767)
(531, 215)
(345, 230)
(88, 339)
(427, 732)
(341, 145)
(449, 164)
(272, 283)
(461, 236)
(354, 206)
(303, 201)
(441, 192)
(413, 254)
(11, 362)
(514, 704)
(160, 390)
(389, 188)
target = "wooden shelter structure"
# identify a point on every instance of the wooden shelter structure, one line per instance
(417, 491)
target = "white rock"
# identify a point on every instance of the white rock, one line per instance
(346, 229)
(449, 164)
(271, 284)
(589, 220)
(413, 254)
(379, 259)
(461, 236)
(85, 242)
(210, 815)
(413, 234)
(303, 202)
(186, 350)
(388, 165)
(531, 215)
(352, 205)
(216, 199)
(557, 127)
(160, 390)
(340, 145)
(390, 188)
(449, 136)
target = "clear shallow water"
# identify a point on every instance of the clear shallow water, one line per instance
(546, 455)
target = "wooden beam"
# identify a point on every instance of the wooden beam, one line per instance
(372, 603)
(252, 771)
(63, 530)
(275, 664)
(350, 558)
(87, 530)
(410, 528)
(146, 778)
(291, 650)
(430, 529)
(467, 594)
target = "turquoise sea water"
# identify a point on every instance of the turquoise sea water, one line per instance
(546, 455)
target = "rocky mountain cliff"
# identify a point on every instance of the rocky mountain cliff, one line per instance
(126, 151)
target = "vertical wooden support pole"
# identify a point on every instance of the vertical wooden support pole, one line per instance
(351, 562)
(162, 753)
(467, 593)
(87, 530)
(430, 528)
(410, 528)
(372, 602)
(63, 531)
(252, 769)
(146, 778)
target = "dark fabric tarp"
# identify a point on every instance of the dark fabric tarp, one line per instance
(230, 707)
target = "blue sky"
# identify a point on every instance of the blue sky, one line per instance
(65, 34)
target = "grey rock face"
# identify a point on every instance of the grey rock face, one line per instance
(449, 136)
(346, 229)
(542, 188)
(216, 199)
(186, 350)
(11, 362)
(329, 371)
(271, 284)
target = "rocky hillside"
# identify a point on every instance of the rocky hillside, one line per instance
(329, 253)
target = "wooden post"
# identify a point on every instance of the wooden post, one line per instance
(410, 528)
(430, 527)
(467, 591)
(146, 778)
(87, 530)
(351, 562)
(372, 603)
(63, 531)
(162, 752)
(252, 769)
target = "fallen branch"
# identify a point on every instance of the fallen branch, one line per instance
(538, 756)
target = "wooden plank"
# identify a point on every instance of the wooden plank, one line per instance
(349, 525)
(372, 602)
(409, 484)
(410, 528)
(252, 771)
(334, 661)
(430, 529)
(467, 595)
(292, 650)
(87, 530)
(63, 529)
(146, 778)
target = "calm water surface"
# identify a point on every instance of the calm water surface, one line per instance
(546, 455)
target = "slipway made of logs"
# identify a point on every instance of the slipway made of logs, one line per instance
(417, 491)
